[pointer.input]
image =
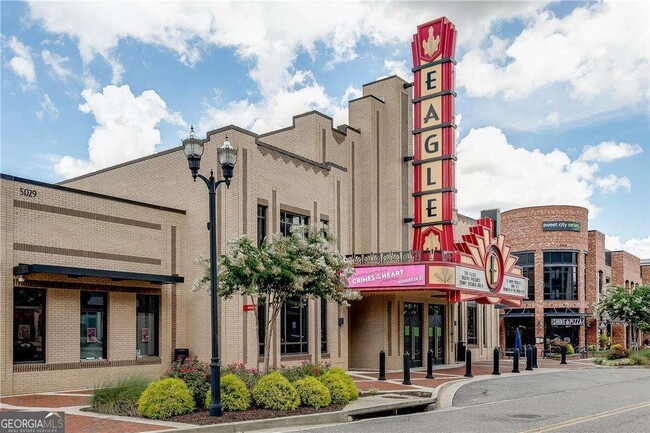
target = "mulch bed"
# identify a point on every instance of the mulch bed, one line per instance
(202, 417)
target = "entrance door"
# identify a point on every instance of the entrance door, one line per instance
(436, 332)
(413, 332)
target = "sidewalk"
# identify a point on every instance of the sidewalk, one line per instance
(389, 398)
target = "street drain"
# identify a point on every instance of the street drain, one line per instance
(525, 416)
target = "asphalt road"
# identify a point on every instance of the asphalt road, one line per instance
(593, 401)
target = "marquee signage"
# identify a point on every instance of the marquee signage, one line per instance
(434, 152)
(388, 276)
(514, 286)
(471, 279)
(560, 226)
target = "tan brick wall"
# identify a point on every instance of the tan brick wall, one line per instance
(62, 318)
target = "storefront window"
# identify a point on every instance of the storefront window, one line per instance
(323, 325)
(560, 276)
(261, 224)
(527, 263)
(29, 325)
(288, 220)
(471, 323)
(147, 325)
(294, 330)
(93, 325)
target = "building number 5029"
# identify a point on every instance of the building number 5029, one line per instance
(27, 192)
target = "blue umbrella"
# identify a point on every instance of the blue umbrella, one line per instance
(517, 339)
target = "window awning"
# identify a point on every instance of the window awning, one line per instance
(26, 269)
(525, 312)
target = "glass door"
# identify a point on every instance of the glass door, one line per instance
(413, 332)
(436, 332)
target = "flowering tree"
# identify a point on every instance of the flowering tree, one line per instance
(631, 306)
(304, 265)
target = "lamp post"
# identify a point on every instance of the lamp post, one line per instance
(193, 148)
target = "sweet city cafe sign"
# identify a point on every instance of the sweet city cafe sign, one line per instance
(480, 267)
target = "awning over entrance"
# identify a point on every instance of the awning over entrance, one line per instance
(26, 269)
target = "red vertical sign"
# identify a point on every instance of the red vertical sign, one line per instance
(434, 153)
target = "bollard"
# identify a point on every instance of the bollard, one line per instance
(407, 369)
(468, 363)
(429, 365)
(496, 361)
(515, 361)
(382, 365)
(563, 350)
(535, 357)
(529, 358)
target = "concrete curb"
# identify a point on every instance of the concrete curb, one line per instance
(337, 417)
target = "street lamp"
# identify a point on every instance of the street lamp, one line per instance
(193, 148)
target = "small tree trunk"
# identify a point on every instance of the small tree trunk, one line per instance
(267, 334)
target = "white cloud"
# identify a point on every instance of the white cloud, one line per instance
(57, 63)
(595, 59)
(126, 128)
(269, 36)
(399, 68)
(47, 109)
(609, 151)
(494, 173)
(636, 246)
(22, 63)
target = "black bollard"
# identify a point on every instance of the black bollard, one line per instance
(429, 365)
(382, 365)
(563, 350)
(529, 358)
(407, 369)
(535, 357)
(496, 361)
(515, 361)
(468, 363)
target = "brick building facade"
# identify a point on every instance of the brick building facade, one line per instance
(569, 270)
(115, 251)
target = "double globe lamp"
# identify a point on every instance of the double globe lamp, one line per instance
(227, 154)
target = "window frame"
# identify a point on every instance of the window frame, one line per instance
(156, 315)
(43, 294)
(262, 218)
(557, 266)
(527, 263)
(323, 326)
(285, 226)
(303, 322)
(104, 311)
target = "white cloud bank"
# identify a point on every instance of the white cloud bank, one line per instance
(126, 128)
(492, 173)
(269, 36)
(638, 247)
(593, 60)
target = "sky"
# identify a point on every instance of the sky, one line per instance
(552, 106)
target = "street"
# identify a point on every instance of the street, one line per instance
(595, 400)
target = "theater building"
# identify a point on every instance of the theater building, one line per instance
(97, 271)
(568, 270)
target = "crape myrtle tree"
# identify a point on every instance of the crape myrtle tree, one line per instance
(631, 306)
(286, 269)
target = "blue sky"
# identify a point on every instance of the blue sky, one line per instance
(552, 97)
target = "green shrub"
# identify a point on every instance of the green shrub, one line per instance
(617, 352)
(119, 398)
(640, 358)
(339, 390)
(307, 368)
(234, 394)
(352, 389)
(591, 348)
(166, 398)
(312, 392)
(250, 376)
(274, 391)
(604, 341)
(195, 374)
(569, 349)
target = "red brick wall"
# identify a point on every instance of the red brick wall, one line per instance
(625, 268)
(523, 230)
(645, 275)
